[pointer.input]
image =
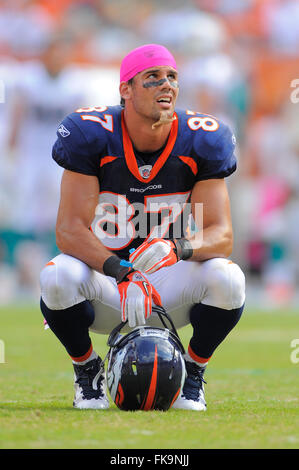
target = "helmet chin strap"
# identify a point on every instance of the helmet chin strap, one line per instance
(115, 338)
(164, 119)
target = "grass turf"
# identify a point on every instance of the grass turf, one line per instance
(252, 393)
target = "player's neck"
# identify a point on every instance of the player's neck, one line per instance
(143, 137)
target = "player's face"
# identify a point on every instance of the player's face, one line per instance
(155, 90)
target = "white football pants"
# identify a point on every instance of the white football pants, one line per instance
(218, 282)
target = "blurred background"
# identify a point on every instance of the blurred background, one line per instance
(237, 61)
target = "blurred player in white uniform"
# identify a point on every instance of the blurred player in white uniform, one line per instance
(45, 92)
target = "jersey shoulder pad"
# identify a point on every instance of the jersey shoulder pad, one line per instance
(97, 120)
(214, 138)
(89, 125)
(214, 143)
(80, 141)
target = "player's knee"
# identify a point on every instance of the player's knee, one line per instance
(225, 284)
(60, 282)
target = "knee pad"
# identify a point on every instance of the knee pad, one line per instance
(60, 282)
(224, 284)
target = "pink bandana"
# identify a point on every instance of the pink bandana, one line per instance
(144, 57)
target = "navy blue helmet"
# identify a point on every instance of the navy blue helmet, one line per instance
(146, 368)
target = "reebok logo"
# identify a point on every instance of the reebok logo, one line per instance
(63, 131)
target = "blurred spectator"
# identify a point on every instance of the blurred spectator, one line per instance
(117, 32)
(281, 20)
(273, 164)
(8, 281)
(25, 27)
(196, 32)
(8, 73)
(44, 94)
(225, 7)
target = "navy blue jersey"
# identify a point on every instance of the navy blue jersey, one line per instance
(143, 195)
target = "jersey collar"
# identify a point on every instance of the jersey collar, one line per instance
(130, 155)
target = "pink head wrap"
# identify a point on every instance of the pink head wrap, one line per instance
(144, 57)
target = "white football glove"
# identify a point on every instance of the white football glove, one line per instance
(136, 296)
(153, 255)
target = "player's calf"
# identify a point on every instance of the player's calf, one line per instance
(69, 315)
(212, 320)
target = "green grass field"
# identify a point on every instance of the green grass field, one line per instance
(252, 393)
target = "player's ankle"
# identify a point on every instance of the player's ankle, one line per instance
(190, 356)
(84, 359)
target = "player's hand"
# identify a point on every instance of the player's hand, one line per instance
(154, 254)
(136, 296)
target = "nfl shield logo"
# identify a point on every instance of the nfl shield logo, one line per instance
(145, 171)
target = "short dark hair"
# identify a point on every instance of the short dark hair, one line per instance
(122, 101)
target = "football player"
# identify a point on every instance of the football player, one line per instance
(131, 173)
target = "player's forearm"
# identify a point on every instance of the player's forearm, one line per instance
(213, 242)
(78, 241)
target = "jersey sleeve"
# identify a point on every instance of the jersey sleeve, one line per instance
(216, 151)
(74, 149)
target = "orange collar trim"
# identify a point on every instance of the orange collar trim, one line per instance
(130, 155)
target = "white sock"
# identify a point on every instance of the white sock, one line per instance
(188, 358)
(93, 355)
